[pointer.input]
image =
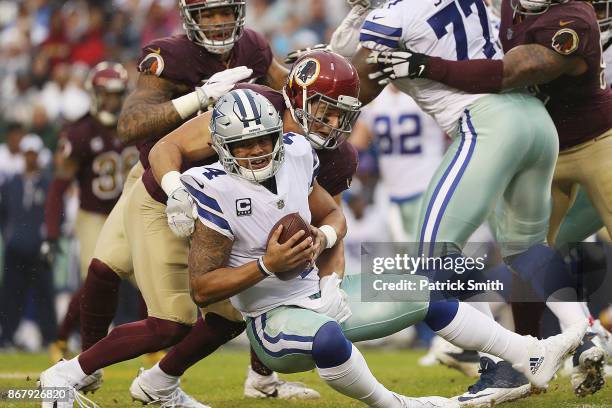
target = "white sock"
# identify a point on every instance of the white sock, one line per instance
(157, 379)
(472, 330)
(484, 308)
(568, 313)
(354, 379)
(73, 369)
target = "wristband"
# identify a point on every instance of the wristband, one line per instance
(170, 182)
(187, 105)
(262, 267)
(330, 235)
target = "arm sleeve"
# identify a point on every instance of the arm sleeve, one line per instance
(207, 205)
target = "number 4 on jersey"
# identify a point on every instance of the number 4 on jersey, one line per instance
(210, 172)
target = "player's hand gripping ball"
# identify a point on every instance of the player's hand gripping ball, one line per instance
(291, 254)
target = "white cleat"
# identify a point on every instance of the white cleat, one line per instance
(545, 357)
(259, 386)
(171, 397)
(588, 373)
(603, 337)
(94, 382)
(427, 402)
(57, 377)
(499, 382)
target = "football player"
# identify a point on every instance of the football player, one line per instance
(90, 153)
(476, 168)
(554, 48)
(322, 91)
(170, 68)
(261, 167)
(407, 141)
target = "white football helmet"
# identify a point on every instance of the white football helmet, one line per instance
(191, 11)
(241, 115)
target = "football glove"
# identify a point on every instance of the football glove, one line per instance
(397, 64)
(181, 213)
(334, 300)
(219, 84)
(297, 54)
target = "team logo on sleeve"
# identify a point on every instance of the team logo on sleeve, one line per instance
(152, 63)
(243, 207)
(307, 72)
(565, 41)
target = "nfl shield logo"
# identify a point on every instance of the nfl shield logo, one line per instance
(509, 34)
(280, 204)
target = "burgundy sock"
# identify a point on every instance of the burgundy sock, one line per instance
(100, 295)
(258, 366)
(205, 337)
(72, 316)
(132, 340)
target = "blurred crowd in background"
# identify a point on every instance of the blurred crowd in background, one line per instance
(47, 48)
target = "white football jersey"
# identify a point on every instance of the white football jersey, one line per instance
(450, 29)
(409, 143)
(246, 212)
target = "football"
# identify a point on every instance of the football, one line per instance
(292, 223)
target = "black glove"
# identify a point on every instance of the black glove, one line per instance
(398, 64)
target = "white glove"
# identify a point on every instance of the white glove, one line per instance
(345, 39)
(221, 83)
(334, 301)
(181, 213)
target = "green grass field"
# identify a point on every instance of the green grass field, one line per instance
(218, 381)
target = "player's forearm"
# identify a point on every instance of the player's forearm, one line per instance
(223, 283)
(164, 158)
(473, 76)
(524, 65)
(368, 88)
(332, 260)
(146, 118)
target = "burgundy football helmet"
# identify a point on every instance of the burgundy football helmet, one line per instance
(105, 79)
(204, 34)
(322, 93)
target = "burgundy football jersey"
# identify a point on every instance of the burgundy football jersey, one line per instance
(337, 166)
(580, 106)
(180, 60)
(103, 162)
